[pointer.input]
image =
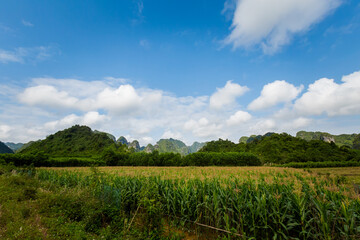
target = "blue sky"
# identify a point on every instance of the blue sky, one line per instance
(192, 70)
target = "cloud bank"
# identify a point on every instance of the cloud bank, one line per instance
(115, 106)
(272, 24)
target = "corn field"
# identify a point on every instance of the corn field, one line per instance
(255, 205)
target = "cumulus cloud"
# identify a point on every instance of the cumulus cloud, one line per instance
(47, 96)
(4, 131)
(275, 93)
(90, 119)
(300, 122)
(272, 23)
(238, 118)
(203, 128)
(325, 96)
(88, 96)
(121, 100)
(263, 125)
(171, 134)
(227, 95)
(146, 114)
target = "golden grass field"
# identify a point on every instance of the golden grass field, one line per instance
(352, 174)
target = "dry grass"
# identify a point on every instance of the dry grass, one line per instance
(352, 174)
(188, 172)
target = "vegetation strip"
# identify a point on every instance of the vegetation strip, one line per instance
(287, 204)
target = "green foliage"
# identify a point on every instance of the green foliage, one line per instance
(219, 146)
(171, 145)
(321, 164)
(221, 159)
(283, 148)
(43, 160)
(290, 205)
(196, 146)
(74, 141)
(4, 148)
(155, 158)
(356, 142)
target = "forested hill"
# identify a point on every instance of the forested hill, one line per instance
(340, 140)
(4, 148)
(284, 148)
(74, 141)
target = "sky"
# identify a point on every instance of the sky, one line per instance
(189, 70)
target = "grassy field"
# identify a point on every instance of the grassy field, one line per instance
(351, 174)
(179, 203)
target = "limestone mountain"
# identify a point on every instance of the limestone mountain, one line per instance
(4, 148)
(122, 140)
(107, 134)
(134, 145)
(171, 145)
(196, 146)
(14, 146)
(74, 141)
(340, 140)
(149, 148)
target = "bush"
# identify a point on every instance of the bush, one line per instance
(221, 159)
(321, 164)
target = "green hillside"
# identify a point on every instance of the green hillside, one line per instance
(196, 146)
(74, 141)
(4, 148)
(340, 140)
(356, 142)
(171, 145)
(284, 148)
(107, 134)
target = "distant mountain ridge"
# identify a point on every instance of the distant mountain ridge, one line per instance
(340, 140)
(14, 146)
(163, 146)
(5, 149)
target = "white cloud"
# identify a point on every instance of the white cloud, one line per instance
(88, 96)
(91, 119)
(263, 126)
(203, 128)
(275, 93)
(47, 96)
(170, 134)
(325, 96)
(272, 23)
(238, 118)
(121, 100)
(146, 140)
(300, 122)
(27, 23)
(6, 56)
(4, 131)
(227, 95)
(31, 55)
(146, 114)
